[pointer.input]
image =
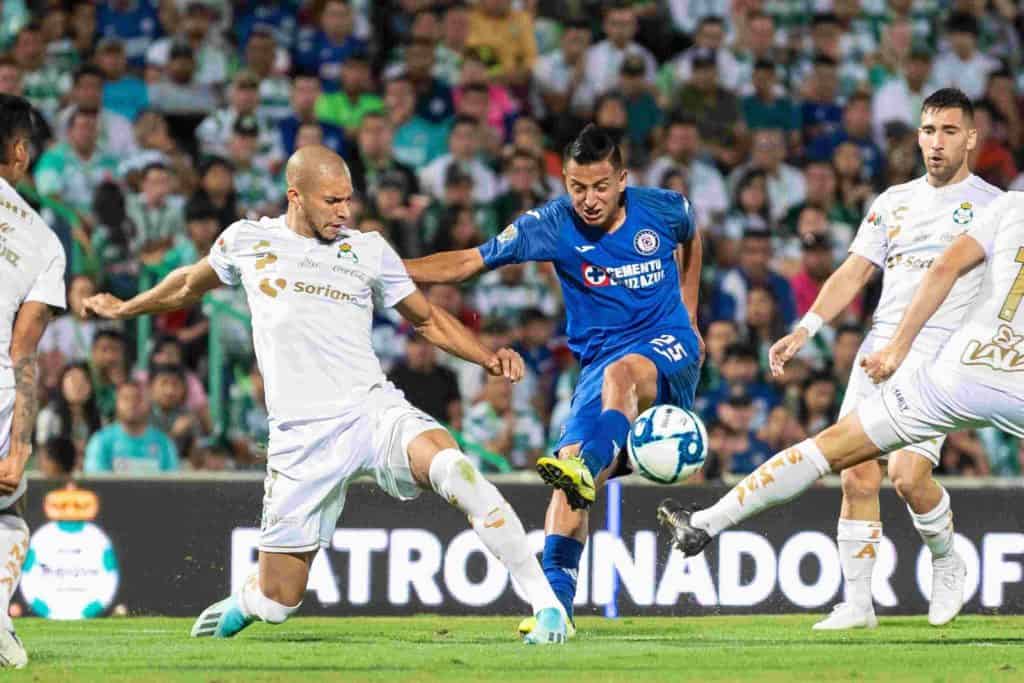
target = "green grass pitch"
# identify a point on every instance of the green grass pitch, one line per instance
(430, 648)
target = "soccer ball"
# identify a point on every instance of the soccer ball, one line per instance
(667, 444)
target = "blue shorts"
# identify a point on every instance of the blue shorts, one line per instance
(676, 354)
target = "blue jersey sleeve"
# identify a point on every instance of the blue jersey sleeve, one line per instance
(675, 213)
(531, 237)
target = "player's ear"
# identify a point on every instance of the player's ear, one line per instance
(972, 137)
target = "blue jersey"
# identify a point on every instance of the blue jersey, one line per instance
(618, 287)
(137, 27)
(316, 53)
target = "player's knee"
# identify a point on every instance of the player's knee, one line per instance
(906, 481)
(619, 376)
(861, 482)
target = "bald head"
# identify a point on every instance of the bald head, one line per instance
(319, 192)
(314, 164)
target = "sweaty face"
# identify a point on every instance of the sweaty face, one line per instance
(945, 138)
(596, 191)
(327, 205)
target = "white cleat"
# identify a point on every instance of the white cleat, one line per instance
(846, 616)
(949, 574)
(12, 652)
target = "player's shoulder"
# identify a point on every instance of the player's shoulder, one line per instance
(257, 229)
(657, 199)
(26, 215)
(902, 190)
(981, 192)
(1007, 206)
(550, 214)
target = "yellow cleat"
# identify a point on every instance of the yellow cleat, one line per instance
(529, 623)
(571, 476)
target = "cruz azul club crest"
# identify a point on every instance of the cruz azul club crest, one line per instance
(646, 242)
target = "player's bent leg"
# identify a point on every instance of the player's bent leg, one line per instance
(14, 535)
(929, 507)
(436, 463)
(783, 477)
(859, 533)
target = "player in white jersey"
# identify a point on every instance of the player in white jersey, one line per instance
(31, 281)
(312, 284)
(906, 229)
(977, 380)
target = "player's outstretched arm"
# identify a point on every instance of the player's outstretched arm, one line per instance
(445, 332)
(962, 256)
(32, 319)
(182, 288)
(838, 292)
(690, 257)
(445, 266)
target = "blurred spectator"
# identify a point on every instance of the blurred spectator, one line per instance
(305, 91)
(755, 43)
(534, 345)
(176, 91)
(83, 26)
(10, 77)
(115, 131)
(752, 211)
(72, 413)
(58, 459)
(479, 97)
(131, 445)
(964, 454)
(168, 350)
(643, 114)
(494, 423)
(561, 76)
(257, 191)
(278, 18)
(510, 290)
(991, 158)
(682, 150)
(438, 219)
(157, 214)
(170, 413)
(785, 183)
(764, 324)
(108, 366)
(505, 37)
(856, 128)
(820, 112)
(262, 56)
(737, 412)
(900, 98)
(729, 298)
(155, 145)
(463, 146)
(196, 32)
(768, 106)
(44, 83)
(348, 106)
(816, 266)
(604, 60)
(844, 354)
(217, 187)
(428, 386)
(820, 183)
(962, 65)
(433, 97)
(248, 431)
(522, 179)
(455, 27)
(719, 335)
(216, 130)
(709, 39)
(70, 336)
(124, 93)
(717, 110)
(201, 229)
(415, 141)
(390, 204)
(818, 405)
(71, 171)
(375, 158)
(134, 22)
(458, 230)
(853, 189)
(324, 49)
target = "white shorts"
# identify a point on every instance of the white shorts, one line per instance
(934, 401)
(862, 390)
(6, 421)
(311, 462)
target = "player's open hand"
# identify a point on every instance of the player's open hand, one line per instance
(881, 364)
(784, 349)
(104, 306)
(506, 363)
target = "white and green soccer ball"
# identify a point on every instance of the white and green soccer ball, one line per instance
(667, 444)
(70, 571)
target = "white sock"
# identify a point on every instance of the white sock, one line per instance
(858, 550)
(13, 546)
(936, 527)
(788, 474)
(254, 603)
(456, 480)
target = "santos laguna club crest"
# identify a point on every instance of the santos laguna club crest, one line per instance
(646, 242)
(963, 214)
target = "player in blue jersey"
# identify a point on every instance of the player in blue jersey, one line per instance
(622, 256)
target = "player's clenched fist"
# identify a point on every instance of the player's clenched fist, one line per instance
(880, 365)
(103, 305)
(786, 348)
(506, 363)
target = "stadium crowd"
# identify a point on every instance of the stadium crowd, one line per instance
(780, 120)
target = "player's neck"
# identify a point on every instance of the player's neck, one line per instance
(294, 222)
(959, 177)
(617, 221)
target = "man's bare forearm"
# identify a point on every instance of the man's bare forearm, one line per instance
(445, 266)
(26, 405)
(448, 334)
(693, 257)
(842, 287)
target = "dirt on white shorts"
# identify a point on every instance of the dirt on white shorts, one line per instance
(861, 389)
(311, 462)
(935, 401)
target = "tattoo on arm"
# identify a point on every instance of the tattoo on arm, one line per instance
(26, 400)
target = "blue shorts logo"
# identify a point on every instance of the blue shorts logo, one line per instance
(646, 242)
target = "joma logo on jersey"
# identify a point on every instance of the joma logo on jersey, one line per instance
(1001, 354)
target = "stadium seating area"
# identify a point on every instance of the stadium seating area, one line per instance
(780, 119)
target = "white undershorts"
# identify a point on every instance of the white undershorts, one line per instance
(6, 421)
(311, 462)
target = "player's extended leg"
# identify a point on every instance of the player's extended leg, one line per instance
(271, 594)
(859, 532)
(928, 504)
(436, 463)
(13, 546)
(784, 477)
(628, 383)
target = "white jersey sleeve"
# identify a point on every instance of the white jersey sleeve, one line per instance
(985, 230)
(48, 287)
(393, 282)
(872, 241)
(221, 256)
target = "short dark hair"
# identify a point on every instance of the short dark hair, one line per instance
(78, 112)
(464, 119)
(17, 120)
(200, 209)
(849, 328)
(948, 98)
(475, 87)
(963, 22)
(593, 144)
(88, 70)
(108, 333)
(61, 450)
(710, 19)
(167, 369)
(154, 166)
(684, 119)
(740, 350)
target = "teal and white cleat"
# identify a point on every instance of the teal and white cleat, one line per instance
(222, 619)
(550, 628)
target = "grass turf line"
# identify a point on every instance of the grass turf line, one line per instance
(430, 648)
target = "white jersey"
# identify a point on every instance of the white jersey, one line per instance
(312, 309)
(989, 345)
(31, 269)
(907, 228)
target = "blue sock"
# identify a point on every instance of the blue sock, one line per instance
(561, 567)
(607, 437)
